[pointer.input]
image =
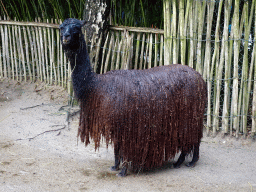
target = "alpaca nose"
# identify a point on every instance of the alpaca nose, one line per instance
(66, 38)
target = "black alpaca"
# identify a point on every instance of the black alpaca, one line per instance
(150, 115)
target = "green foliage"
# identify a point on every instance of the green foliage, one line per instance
(137, 13)
(142, 13)
(27, 10)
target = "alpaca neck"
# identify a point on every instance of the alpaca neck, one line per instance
(82, 73)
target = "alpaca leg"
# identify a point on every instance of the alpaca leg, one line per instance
(180, 160)
(117, 157)
(195, 156)
(123, 172)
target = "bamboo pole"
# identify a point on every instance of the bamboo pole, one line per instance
(15, 53)
(150, 51)
(247, 84)
(7, 52)
(45, 40)
(109, 50)
(103, 54)
(219, 74)
(161, 50)
(225, 114)
(27, 52)
(146, 53)
(214, 63)
(38, 54)
(31, 45)
(11, 53)
(182, 31)
(114, 51)
(174, 30)
(50, 47)
(118, 57)
(4, 63)
(235, 67)
(142, 51)
(207, 60)
(192, 24)
(253, 130)
(199, 65)
(137, 51)
(156, 50)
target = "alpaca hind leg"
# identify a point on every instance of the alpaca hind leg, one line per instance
(195, 156)
(117, 157)
(180, 160)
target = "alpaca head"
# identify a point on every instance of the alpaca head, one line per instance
(71, 32)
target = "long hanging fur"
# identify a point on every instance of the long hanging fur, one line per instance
(152, 114)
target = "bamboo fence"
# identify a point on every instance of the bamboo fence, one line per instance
(214, 37)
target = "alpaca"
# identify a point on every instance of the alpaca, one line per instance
(149, 115)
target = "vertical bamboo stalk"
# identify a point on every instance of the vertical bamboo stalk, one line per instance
(225, 116)
(182, 31)
(22, 55)
(161, 50)
(31, 45)
(50, 46)
(156, 50)
(210, 9)
(27, 53)
(43, 64)
(174, 30)
(58, 57)
(219, 75)
(7, 51)
(11, 53)
(109, 50)
(1, 52)
(214, 61)
(15, 53)
(137, 51)
(103, 55)
(142, 51)
(167, 32)
(118, 57)
(253, 131)
(129, 51)
(38, 54)
(245, 80)
(150, 51)
(45, 40)
(192, 23)
(200, 36)
(146, 53)
(114, 54)
(235, 67)
(4, 72)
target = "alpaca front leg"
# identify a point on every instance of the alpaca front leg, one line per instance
(123, 172)
(195, 156)
(180, 160)
(117, 157)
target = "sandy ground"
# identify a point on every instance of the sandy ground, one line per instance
(39, 151)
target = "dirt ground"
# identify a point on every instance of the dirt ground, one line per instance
(39, 151)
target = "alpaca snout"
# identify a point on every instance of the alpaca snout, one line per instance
(66, 39)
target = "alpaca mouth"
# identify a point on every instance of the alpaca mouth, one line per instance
(65, 41)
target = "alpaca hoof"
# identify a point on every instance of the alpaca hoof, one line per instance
(114, 168)
(123, 172)
(176, 165)
(191, 164)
